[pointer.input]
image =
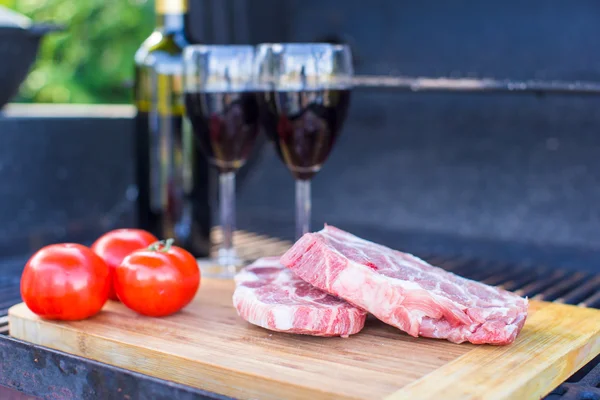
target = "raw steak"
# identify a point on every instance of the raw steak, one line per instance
(405, 291)
(268, 294)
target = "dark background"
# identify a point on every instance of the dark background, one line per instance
(500, 176)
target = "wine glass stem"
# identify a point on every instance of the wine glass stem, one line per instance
(302, 207)
(227, 214)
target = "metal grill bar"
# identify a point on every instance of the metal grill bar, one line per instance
(593, 301)
(559, 289)
(469, 85)
(460, 266)
(541, 284)
(8, 302)
(440, 261)
(9, 295)
(485, 272)
(521, 278)
(583, 292)
(508, 276)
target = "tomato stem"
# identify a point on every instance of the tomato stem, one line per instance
(168, 243)
(154, 246)
(162, 245)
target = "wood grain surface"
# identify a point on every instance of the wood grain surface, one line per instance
(208, 346)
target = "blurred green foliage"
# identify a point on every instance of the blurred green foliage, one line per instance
(92, 61)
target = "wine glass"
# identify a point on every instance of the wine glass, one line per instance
(222, 107)
(304, 94)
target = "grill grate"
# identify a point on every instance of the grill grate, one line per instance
(536, 282)
(9, 295)
(584, 385)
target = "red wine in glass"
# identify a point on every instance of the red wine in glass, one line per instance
(304, 126)
(304, 100)
(225, 126)
(222, 108)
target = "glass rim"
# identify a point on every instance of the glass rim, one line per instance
(217, 46)
(334, 46)
(205, 48)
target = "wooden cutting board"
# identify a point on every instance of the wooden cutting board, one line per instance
(208, 346)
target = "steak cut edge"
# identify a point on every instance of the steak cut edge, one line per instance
(268, 294)
(405, 291)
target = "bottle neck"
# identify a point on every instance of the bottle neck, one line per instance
(170, 23)
(170, 15)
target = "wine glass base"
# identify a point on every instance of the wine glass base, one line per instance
(218, 268)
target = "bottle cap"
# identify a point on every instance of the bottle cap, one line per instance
(171, 6)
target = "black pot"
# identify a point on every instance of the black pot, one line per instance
(19, 43)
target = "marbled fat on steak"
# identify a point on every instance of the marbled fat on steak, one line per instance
(268, 294)
(405, 291)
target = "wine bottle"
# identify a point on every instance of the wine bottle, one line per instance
(172, 176)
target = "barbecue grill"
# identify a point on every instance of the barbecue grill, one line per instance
(537, 282)
(396, 72)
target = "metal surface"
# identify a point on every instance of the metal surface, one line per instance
(9, 295)
(11, 394)
(19, 42)
(474, 85)
(19, 50)
(69, 376)
(51, 374)
(584, 385)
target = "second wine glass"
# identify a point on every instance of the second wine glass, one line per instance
(221, 105)
(304, 98)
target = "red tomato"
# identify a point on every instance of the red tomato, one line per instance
(157, 281)
(115, 245)
(65, 282)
